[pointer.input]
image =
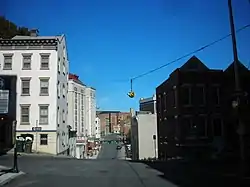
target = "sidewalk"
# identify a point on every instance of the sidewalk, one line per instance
(39, 154)
(7, 177)
(206, 174)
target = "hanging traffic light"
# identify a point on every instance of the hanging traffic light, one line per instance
(131, 94)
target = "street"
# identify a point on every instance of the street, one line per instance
(106, 171)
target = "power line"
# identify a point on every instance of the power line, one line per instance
(188, 54)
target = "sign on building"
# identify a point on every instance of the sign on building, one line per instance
(36, 129)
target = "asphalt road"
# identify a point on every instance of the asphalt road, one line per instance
(108, 151)
(108, 170)
(64, 172)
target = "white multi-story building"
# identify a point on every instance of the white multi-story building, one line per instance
(76, 105)
(81, 107)
(97, 127)
(41, 66)
(90, 111)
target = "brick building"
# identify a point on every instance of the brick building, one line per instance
(114, 122)
(191, 110)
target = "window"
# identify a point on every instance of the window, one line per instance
(216, 94)
(165, 101)
(217, 126)
(44, 114)
(45, 61)
(58, 89)
(159, 100)
(174, 98)
(58, 115)
(201, 126)
(43, 139)
(7, 61)
(44, 86)
(25, 86)
(64, 67)
(25, 114)
(186, 95)
(64, 90)
(64, 116)
(59, 65)
(188, 127)
(26, 61)
(200, 95)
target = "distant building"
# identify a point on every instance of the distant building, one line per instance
(148, 104)
(41, 65)
(113, 121)
(143, 132)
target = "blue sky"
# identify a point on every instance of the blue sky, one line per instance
(110, 41)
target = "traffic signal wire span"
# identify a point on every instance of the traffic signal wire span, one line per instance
(188, 54)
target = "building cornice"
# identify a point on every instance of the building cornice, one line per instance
(29, 44)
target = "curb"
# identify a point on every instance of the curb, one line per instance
(9, 177)
(20, 154)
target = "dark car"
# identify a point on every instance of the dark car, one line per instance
(118, 147)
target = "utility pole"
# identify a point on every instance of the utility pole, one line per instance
(238, 90)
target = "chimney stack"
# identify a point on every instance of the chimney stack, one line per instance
(34, 32)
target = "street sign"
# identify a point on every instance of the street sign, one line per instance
(4, 101)
(36, 129)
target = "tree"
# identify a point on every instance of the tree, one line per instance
(9, 29)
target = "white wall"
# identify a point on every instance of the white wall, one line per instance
(62, 79)
(143, 128)
(97, 128)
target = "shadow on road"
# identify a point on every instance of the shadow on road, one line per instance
(198, 174)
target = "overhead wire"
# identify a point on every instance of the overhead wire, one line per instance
(188, 54)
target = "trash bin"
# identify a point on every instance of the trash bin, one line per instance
(28, 147)
(20, 145)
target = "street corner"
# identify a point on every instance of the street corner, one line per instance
(5, 178)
